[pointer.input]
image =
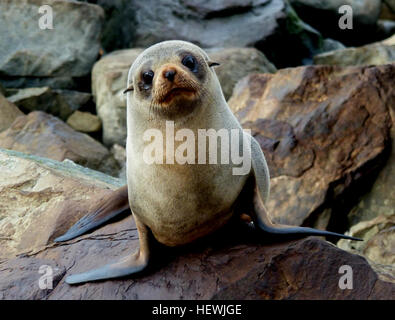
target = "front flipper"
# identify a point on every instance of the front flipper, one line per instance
(261, 194)
(134, 263)
(110, 207)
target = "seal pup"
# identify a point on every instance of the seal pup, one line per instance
(173, 82)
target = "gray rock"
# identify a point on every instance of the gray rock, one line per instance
(265, 24)
(109, 77)
(364, 11)
(330, 45)
(61, 82)
(69, 49)
(60, 103)
(324, 16)
(270, 25)
(373, 54)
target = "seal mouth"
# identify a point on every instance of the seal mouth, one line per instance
(177, 92)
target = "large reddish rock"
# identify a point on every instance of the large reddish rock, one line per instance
(221, 267)
(325, 132)
(47, 136)
(41, 198)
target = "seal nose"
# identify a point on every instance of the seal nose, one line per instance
(169, 74)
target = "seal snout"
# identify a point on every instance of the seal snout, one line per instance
(169, 74)
(174, 84)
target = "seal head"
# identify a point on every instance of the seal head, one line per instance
(171, 79)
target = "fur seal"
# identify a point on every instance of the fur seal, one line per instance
(174, 82)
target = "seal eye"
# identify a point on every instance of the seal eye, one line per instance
(148, 77)
(190, 62)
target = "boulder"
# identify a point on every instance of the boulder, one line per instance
(378, 246)
(61, 82)
(9, 112)
(44, 135)
(325, 131)
(109, 79)
(380, 200)
(84, 122)
(271, 25)
(364, 11)
(382, 52)
(324, 16)
(69, 49)
(331, 44)
(60, 103)
(41, 198)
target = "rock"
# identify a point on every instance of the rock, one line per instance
(11, 281)
(237, 63)
(325, 132)
(330, 45)
(270, 25)
(230, 269)
(119, 24)
(60, 103)
(364, 11)
(109, 78)
(380, 200)
(9, 112)
(2, 90)
(36, 190)
(70, 83)
(324, 16)
(377, 53)
(379, 241)
(41, 134)
(71, 52)
(84, 122)
(221, 266)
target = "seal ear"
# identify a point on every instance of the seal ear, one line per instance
(213, 64)
(130, 88)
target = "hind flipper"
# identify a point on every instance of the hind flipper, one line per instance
(261, 194)
(110, 207)
(134, 263)
(264, 223)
